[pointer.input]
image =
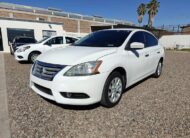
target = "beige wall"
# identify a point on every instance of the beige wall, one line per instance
(69, 25)
(24, 16)
(4, 14)
(186, 30)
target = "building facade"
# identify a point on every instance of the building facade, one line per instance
(185, 29)
(20, 18)
(11, 28)
(75, 23)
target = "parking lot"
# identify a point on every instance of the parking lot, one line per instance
(152, 108)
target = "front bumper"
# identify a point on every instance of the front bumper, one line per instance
(89, 85)
(21, 56)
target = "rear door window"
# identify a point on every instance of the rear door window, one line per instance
(150, 40)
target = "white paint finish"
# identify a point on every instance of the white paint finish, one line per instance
(39, 47)
(173, 41)
(135, 62)
(36, 26)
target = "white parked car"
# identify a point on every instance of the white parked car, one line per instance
(97, 68)
(29, 52)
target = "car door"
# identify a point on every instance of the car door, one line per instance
(136, 58)
(152, 50)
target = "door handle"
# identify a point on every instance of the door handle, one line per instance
(158, 52)
(147, 55)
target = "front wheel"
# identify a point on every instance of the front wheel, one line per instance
(33, 56)
(158, 70)
(113, 90)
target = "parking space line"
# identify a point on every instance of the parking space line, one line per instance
(4, 116)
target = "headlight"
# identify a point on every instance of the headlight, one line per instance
(84, 69)
(23, 49)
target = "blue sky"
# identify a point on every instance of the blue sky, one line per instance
(171, 12)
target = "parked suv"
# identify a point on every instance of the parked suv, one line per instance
(19, 41)
(30, 52)
(97, 68)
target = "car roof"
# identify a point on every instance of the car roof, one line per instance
(127, 29)
(62, 36)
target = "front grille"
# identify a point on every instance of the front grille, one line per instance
(43, 89)
(46, 71)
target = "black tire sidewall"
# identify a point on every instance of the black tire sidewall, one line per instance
(30, 55)
(105, 100)
(156, 73)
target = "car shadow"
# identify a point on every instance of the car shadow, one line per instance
(135, 52)
(74, 107)
(24, 62)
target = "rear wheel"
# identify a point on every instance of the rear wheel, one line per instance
(158, 70)
(33, 56)
(113, 90)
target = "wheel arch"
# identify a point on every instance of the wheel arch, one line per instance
(35, 51)
(123, 72)
(161, 59)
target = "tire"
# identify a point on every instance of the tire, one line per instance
(158, 72)
(109, 92)
(32, 56)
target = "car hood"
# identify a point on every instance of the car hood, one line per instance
(73, 55)
(25, 45)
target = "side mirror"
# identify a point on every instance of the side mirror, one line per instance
(137, 45)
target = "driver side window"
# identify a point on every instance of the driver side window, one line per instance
(137, 37)
(55, 41)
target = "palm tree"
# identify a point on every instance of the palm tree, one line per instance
(141, 10)
(152, 11)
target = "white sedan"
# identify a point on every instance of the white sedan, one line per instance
(97, 68)
(30, 52)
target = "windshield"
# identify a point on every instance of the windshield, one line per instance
(42, 40)
(105, 38)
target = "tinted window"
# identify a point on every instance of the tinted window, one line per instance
(70, 40)
(14, 33)
(55, 41)
(150, 40)
(106, 38)
(137, 37)
(25, 40)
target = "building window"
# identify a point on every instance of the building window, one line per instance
(40, 19)
(17, 32)
(48, 33)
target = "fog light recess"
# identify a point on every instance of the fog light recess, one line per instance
(74, 95)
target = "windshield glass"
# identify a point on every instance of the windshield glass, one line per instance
(42, 40)
(105, 38)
